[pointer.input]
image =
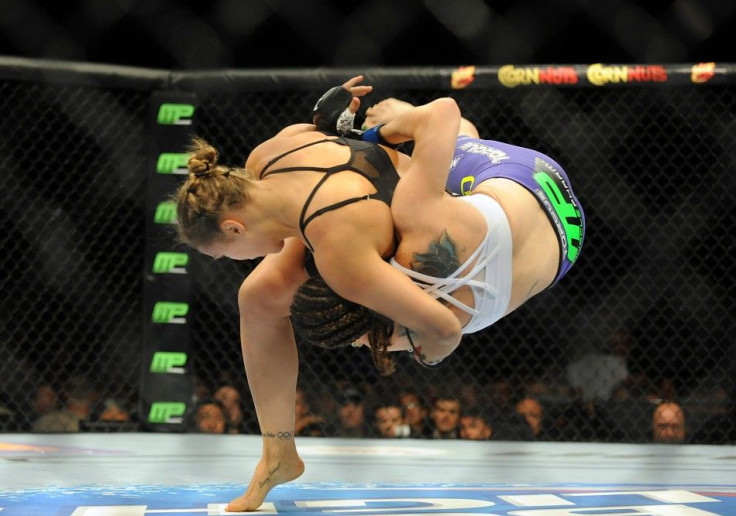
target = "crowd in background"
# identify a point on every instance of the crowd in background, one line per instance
(608, 406)
(602, 396)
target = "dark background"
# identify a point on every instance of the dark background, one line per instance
(184, 34)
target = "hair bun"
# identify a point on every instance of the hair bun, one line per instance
(204, 157)
(202, 170)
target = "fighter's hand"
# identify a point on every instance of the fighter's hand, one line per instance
(357, 91)
(385, 111)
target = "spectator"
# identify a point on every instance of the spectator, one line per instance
(474, 425)
(718, 429)
(500, 392)
(79, 400)
(668, 423)
(468, 394)
(230, 398)
(445, 417)
(201, 388)
(7, 418)
(306, 423)
(112, 411)
(390, 422)
(596, 376)
(575, 421)
(43, 400)
(533, 413)
(351, 414)
(109, 415)
(209, 417)
(415, 414)
(718, 424)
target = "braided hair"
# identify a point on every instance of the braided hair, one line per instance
(210, 190)
(320, 316)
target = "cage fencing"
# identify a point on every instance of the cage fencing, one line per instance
(644, 317)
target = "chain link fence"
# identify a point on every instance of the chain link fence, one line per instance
(644, 317)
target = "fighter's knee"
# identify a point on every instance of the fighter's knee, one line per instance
(253, 298)
(261, 296)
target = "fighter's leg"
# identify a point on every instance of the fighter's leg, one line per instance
(271, 364)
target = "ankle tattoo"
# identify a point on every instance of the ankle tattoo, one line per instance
(268, 480)
(281, 436)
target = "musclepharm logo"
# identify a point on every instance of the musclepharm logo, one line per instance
(172, 163)
(168, 362)
(166, 312)
(166, 412)
(170, 263)
(175, 114)
(165, 213)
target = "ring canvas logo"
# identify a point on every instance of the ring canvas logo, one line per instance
(386, 500)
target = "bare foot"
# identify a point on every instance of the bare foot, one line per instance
(265, 478)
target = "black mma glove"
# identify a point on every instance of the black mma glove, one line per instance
(331, 114)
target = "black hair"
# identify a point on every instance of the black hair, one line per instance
(323, 318)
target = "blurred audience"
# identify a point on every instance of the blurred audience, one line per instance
(668, 423)
(351, 416)
(389, 422)
(43, 399)
(415, 414)
(596, 376)
(79, 397)
(209, 416)
(306, 424)
(230, 398)
(474, 425)
(110, 415)
(445, 417)
(630, 409)
(533, 413)
(111, 410)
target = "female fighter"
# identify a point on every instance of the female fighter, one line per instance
(532, 235)
(332, 195)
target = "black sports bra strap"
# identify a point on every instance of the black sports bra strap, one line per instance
(301, 169)
(317, 213)
(274, 160)
(373, 159)
(302, 225)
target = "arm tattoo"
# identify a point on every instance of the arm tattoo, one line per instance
(281, 436)
(440, 260)
(266, 481)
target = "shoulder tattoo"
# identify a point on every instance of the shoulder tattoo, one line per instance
(440, 260)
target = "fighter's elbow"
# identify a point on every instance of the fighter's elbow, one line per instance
(447, 333)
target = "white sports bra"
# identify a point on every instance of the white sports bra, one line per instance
(490, 277)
